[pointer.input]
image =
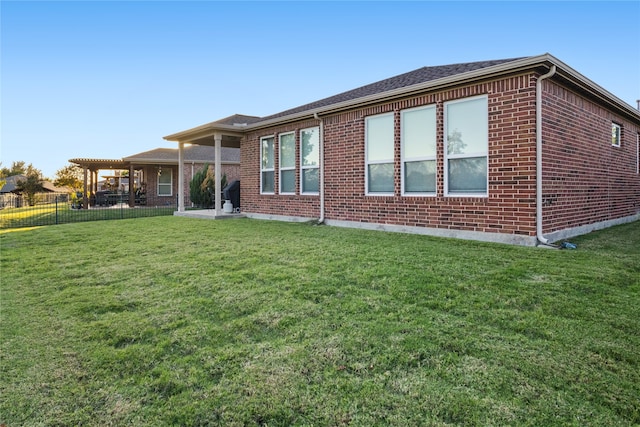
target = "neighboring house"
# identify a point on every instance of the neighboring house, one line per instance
(523, 151)
(11, 185)
(156, 172)
(11, 196)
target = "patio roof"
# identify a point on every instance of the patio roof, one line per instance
(101, 164)
(193, 153)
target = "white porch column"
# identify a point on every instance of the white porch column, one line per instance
(218, 173)
(181, 177)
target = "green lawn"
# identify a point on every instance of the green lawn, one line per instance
(175, 321)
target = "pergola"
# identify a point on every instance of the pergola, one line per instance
(91, 168)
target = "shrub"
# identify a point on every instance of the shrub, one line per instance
(203, 186)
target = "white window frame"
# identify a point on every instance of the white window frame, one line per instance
(367, 162)
(286, 168)
(170, 184)
(406, 159)
(310, 167)
(477, 154)
(273, 169)
(616, 129)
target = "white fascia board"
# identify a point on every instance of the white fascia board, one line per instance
(203, 131)
(593, 88)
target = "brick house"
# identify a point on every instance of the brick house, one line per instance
(522, 151)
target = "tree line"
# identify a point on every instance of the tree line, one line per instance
(70, 176)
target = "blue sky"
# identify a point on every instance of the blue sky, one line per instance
(110, 79)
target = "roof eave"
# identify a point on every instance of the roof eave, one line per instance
(529, 63)
(206, 130)
(594, 89)
(546, 60)
(496, 70)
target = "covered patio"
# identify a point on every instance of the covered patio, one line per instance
(90, 174)
(224, 133)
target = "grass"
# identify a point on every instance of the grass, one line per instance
(177, 321)
(61, 213)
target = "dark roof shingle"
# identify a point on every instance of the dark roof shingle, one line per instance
(421, 75)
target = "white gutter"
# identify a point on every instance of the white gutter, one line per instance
(321, 177)
(539, 235)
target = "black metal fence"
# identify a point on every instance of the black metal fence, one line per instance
(51, 208)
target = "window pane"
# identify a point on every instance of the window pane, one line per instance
(310, 180)
(379, 137)
(419, 132)
(287, 151)
(310, 147)
(267, 153)
(467, 126)
(267, 182)
(288, 181)
(381, 178)
(164, 190)
(468, 175)
(420, 177)
(615, 134)
(165, 177)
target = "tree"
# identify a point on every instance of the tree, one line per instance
(202, 187)
(17, 168)
(455, 144)
(31, 185)
(71, 176)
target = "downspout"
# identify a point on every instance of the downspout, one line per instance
(321, 177)
(539, 235)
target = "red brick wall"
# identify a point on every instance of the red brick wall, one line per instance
(273, 204)
(587, 191)
(150, 177)
(510, 207)
(585, 179)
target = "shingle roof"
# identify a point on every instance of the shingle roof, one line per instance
(421, 75)
(413, 82)
(11, 185)
(192, 153)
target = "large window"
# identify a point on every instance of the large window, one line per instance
(418, 135)
(309, 160)
(466, 147)
(267, 165)
(288, 163)
(379, 154)
(165, 182)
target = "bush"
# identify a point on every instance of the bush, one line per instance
(203, 186)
